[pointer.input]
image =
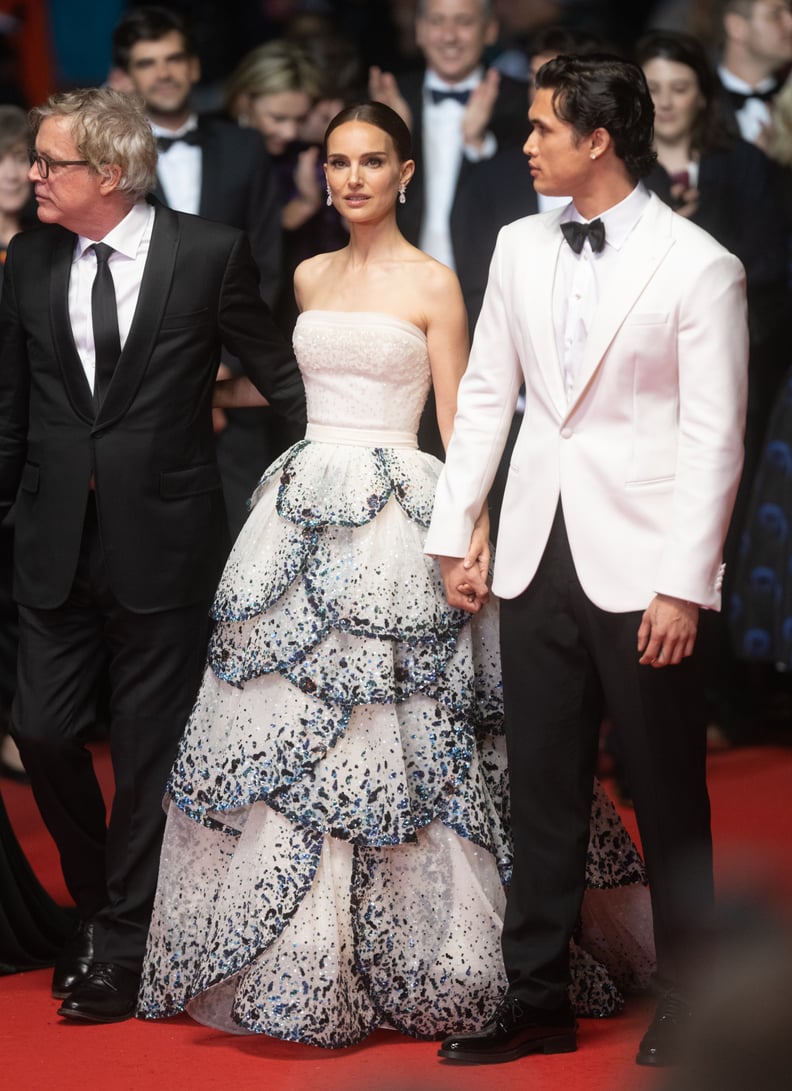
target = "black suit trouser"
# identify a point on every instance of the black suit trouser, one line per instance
(565, 663)
(154, 663)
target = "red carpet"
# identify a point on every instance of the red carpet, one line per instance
(752, 820)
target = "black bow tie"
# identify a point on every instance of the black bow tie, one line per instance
(192, 136)
(457, 96)
(738, 99)
(576, 234)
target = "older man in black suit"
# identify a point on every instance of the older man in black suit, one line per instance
(111, 324)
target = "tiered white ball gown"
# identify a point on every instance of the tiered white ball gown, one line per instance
(337, 835)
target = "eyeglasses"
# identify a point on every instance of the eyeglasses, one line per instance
(45, 164)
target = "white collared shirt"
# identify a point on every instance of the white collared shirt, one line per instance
(130, 240)
(443, 150)
(180, 169)
(756, 114)
(581, 280)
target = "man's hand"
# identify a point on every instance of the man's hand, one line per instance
(478, 112)
(384, 88)
(667, 633)
(464, 585)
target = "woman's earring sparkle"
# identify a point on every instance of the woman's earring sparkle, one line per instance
(402, 194)
(329, 197)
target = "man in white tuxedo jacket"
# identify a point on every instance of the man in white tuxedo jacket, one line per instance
(626, 323)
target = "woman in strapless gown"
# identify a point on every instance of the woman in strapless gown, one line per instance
(337, 838)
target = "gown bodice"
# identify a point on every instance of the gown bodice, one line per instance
(362, 369)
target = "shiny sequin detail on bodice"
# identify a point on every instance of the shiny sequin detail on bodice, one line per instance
(337, 836)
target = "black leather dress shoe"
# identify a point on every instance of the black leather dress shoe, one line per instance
(107, 995)
(516, 1028)
(660, 1044)
(74, 961)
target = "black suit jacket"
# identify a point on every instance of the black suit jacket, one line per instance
(239, 188)
(509, 125)
(499, 191)
(150, 448)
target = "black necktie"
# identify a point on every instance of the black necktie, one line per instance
(457, 96)
(192, 136)
(738, 99)
(576, 234)
(107, 341)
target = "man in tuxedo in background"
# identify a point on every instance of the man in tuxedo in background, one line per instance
(757, 45)
(460, 116)
(212, 167)
(626, 324)
(111, 325)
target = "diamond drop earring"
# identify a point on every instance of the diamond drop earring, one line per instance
(329, 197)
(402, 194)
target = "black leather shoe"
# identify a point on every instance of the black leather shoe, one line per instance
(107, 995)
(74, 961)
(515, 1029)
(660, 1044)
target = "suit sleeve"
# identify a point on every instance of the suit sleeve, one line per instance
(264, 224)
(14, 390)
(248, 328)
(713, 379)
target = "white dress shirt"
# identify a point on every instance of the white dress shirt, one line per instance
(756, 114)
(180, 169)
(130, 240)
(581, 279)
(443, 150)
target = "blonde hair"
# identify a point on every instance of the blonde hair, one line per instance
(272, 69)
(109, 128)
(779, 138)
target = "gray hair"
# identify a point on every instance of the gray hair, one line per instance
(109, 128)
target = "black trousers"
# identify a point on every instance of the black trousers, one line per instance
(154, 664)
(565, 663)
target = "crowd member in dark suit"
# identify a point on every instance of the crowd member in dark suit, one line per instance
(757, 44)
(212, 167)
(111, 326)
(460, 115)
(725, 185)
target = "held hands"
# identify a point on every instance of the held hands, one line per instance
(478, 112)
(667, 633)
(384, 88)
(465, 578)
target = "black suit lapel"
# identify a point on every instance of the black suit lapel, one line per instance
(74, 378)
(140, 343)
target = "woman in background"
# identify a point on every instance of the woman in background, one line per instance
(275, 89)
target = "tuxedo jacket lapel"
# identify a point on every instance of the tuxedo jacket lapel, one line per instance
(140, 343)
(643, 252)
(74, 378)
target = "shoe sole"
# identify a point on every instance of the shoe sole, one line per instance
(84, 1017)
(557, 1043)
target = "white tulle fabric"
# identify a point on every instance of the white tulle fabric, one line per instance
(337, 838)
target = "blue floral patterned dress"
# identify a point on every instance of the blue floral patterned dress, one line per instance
(336, 846)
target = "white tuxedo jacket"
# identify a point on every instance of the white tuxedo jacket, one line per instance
(647, 452)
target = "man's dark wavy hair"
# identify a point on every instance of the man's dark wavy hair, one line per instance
(601, 91)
